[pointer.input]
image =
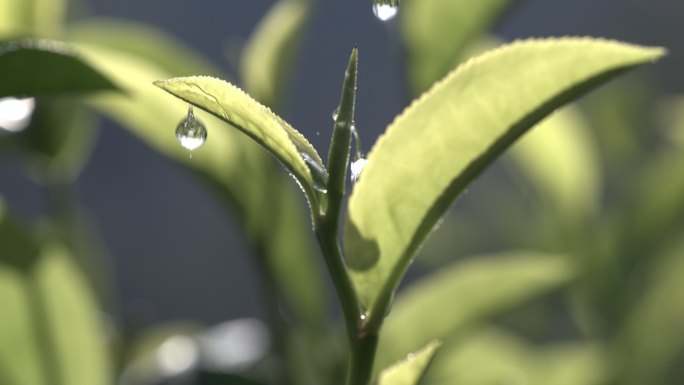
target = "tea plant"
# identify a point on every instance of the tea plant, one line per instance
(427, 157)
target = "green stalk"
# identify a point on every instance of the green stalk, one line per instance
(362, 346)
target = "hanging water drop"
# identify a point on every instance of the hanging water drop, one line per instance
(318, 172)
(335, 114)
(191, 133)
(385, 10)
(356, 168)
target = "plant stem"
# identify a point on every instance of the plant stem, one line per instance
(362, 345)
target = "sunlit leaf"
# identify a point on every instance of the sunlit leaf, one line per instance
(464, 294)
(561, 161)
(23, 63)
(492, 356)
(435, 148)
(412, 369)
(426, 23)
(269, 53)
(41, 18)
(235, 107)
(50, 331)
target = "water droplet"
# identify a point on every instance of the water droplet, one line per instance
(336, 113)
(15, 114)
(385, 10)
(363, 317)
(191, 133)
(356, 168)
(318, 172)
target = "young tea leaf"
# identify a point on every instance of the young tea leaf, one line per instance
(439, 144)
(235, 107)
(242, 174)
(411, 370)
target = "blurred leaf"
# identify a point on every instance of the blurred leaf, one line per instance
(238, 109)
(412, 369)
(23, 63)
(559, 158)
(270, 52)
(671, 116)
(426, 23)
(493, 356)
(465, 294)
(651, 339)
(146, 43)
(656, 202)
(39, 18)
(293, 261)
(448, 136)
(60, 139)
(49, 332)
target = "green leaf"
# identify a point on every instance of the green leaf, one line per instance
(425, 23)
(142, 41)
(561, 161)
(50, 333)
(650, 340)
(31, 17)
(23, 63)
(439, 144)
(460, 296)
(238, 109)
(269, 54)
(412, 369)
(491, 356)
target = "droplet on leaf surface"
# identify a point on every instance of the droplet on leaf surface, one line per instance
(385, 10)
(191, 132)
(318, 172)
(356, 168)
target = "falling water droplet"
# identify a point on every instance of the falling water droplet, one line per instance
(318, 172)
(336, 113)
(191, 133)
(356, 168)
(385, 10)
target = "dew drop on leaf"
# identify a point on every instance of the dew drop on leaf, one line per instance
(318, 172)
(191, 132)
(385, 10)
(335, 114)
(356, 168)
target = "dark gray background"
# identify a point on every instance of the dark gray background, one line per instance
(175, 252)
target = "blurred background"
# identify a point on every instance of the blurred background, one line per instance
(172, 251)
